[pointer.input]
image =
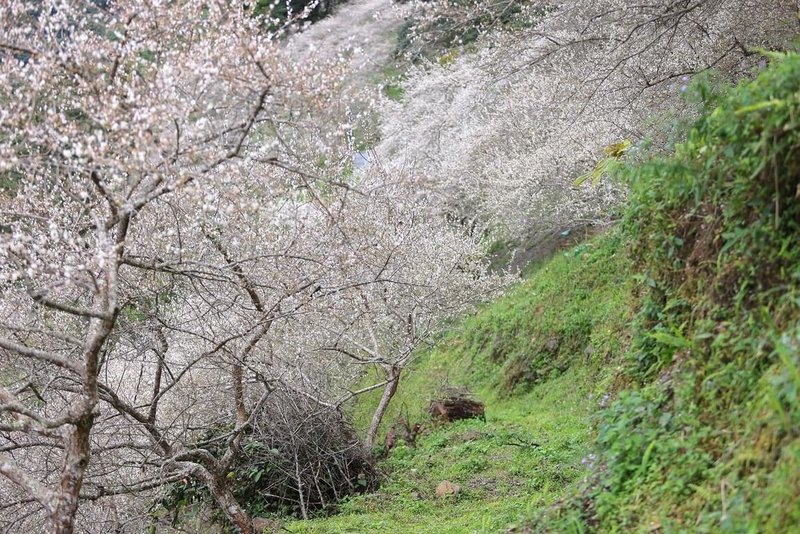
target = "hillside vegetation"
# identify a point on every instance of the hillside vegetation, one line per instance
(646, 380)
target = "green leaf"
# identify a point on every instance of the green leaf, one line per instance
(671, 340)
(761, 105)
(613, 152)
(646, 456)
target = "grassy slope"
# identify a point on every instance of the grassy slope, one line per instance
(673, 359)
(529, 451)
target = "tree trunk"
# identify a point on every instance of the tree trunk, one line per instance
(225, 499)
(238, 393)
(392, 379)
(62, 517)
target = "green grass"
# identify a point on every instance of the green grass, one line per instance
(522, 458)
(574, 309)
(539, 404)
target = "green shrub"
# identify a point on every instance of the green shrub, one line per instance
(701, 439)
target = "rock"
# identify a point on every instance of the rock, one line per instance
(551, 345)
(446, 489)
(471, 435)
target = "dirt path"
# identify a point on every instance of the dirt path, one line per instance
(367, 28)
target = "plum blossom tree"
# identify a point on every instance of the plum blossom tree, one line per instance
(180, 238)
(502, 129)
(106, 114)
(412, 273)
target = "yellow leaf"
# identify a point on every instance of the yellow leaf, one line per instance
(617, 149)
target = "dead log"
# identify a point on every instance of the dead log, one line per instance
(455, 408)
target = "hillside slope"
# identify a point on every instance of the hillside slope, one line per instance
(646, 380)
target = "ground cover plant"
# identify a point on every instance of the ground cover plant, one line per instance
(705, 437)
(538, 358)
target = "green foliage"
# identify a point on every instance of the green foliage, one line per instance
(459, 23)
(279, 11)
(390, 79)
(706, 436)
(725, 203)
(614, 153)
(10, 182)
(394, 91)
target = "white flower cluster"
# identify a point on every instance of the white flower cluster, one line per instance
(504, 130)
(182, 233)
